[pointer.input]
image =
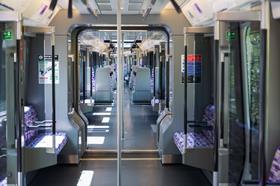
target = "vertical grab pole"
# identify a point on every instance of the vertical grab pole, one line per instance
(91, 76)
(119, 92)
(18, 102)
(122, 57)
(53, 83)
(216, 102)
(185, 84)
(262, 144)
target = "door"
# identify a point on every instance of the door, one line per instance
(241, 101)
(9, 108)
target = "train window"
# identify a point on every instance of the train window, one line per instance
(251, 57)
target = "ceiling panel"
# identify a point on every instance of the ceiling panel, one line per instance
(105, 7)
(128, 6)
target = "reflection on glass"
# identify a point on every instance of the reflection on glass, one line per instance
(2, 111)
(252, 64)
(234, 103)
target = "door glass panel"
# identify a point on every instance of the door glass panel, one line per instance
(241, 100)
(234, 105)
(7, 129)
(3, 164)
(251, 57)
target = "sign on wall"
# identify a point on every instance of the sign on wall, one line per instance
(45, 69)
(183, 68)
(7, 35)
(194, 62)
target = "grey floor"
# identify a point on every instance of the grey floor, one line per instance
(141, 170)
(134, 173)
(138, 134)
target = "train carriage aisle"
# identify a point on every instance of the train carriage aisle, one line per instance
(139, 92)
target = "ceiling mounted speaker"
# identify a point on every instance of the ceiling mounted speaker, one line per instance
(176, 6)
(53, 5)
(70, 9)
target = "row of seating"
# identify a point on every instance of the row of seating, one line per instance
(201, 135)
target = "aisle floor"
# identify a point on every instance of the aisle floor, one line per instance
(134, 173)
(138, 133)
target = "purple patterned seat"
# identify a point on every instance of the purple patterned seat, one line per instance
(3, 169)
(193, 140)
(3, 181)
(274, 176)
(30, 116)
(34, 137)
(179, 140)
(200, 138)
(45, 141)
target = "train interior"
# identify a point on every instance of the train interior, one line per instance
(139, 92)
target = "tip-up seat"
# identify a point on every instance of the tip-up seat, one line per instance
(191, 140)
(274, 176)
(37, 133)
(197, 145)
(46, 141)
(3, 181)
(199, 135)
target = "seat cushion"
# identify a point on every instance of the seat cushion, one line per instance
(209, 117)
(30, 116)
(179, 140)
(45, 141)
(3, 181)
(193, 140)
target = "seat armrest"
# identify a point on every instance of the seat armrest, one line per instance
(196, 122)
(204, 127)
(43, 122)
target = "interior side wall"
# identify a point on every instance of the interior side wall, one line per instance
(273, 92)
(35, 91)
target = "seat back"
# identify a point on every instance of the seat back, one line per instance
(274, 176)
(143, 79)
(103, 79)
(209, 117)
(30, 116)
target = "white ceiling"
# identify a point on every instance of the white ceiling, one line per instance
(128, 6)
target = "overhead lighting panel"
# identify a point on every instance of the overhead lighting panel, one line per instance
(176, 6)
(92, 7)
(53, 5)
(70, 9)
(148, 10)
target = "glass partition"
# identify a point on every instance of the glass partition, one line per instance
(8, 50)
(241, 100)
(3, 109)
(251, 56)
